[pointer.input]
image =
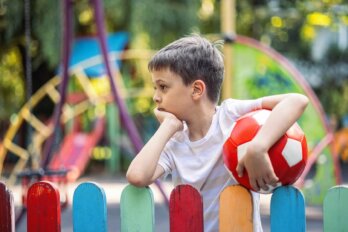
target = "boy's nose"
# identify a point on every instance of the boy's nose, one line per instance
(156, 98)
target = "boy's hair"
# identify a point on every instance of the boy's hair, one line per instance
(193, 58)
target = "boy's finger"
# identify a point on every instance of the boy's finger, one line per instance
(262, 184)
(272, 180)
(240, 169)
(274, 183)
(254, 185)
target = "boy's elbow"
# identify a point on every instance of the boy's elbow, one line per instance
(136, 179)
(301, 100)
(304, 100)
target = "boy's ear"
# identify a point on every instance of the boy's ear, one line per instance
(198, 88)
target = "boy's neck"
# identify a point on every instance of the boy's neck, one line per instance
(200, 123)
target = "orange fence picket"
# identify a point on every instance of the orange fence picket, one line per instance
(236, 210)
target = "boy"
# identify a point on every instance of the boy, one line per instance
(187, 76)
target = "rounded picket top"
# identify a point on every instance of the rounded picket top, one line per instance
(137, 209)
(43, 205)
(89, 208)
(335, 209)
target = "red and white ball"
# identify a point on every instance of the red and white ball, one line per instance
(288, 155)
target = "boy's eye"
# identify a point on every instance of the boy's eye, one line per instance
(163, 87)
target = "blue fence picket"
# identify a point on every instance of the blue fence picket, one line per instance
(89, 208)
(287, 210)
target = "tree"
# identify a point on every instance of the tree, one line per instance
(312, 34)
(150, 23)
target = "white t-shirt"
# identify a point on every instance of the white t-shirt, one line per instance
(201, 165)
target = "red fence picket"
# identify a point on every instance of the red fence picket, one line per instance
(185, 210)
(6, 209)
(43, 207)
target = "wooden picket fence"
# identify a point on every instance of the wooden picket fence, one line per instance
(287, 210)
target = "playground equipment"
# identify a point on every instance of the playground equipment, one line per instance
(71, 159)
(42, 130)
(44, 135)
(287, 209)
(124, 116)
(76, 147)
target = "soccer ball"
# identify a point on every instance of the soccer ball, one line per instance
(288, 155)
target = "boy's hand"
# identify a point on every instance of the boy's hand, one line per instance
(259, 168)
(164, 115)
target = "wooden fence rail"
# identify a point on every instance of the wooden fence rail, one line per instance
(287, 211)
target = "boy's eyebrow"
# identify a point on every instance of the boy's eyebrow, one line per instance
(158, 81)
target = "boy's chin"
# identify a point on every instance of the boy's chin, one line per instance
(168, 111)
(178, 117)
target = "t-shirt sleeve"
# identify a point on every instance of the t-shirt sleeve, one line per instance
(165, 163)
(238, 108)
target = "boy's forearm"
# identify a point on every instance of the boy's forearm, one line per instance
(143, 166)
(282, 117)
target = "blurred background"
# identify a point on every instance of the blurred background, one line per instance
(312, 34)
(282, 46)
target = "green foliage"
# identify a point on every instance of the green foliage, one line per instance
(164, 21)
(11, 22)
(284, 25)
(11, 84)
(335, 97)
(46, 28)
(117, 13)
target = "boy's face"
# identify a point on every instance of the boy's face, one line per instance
(171, 95)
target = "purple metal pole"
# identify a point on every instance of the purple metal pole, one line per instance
(66, 49)
(126, 119)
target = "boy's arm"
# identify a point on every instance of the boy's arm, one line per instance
(286, 109)
(144, 168)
